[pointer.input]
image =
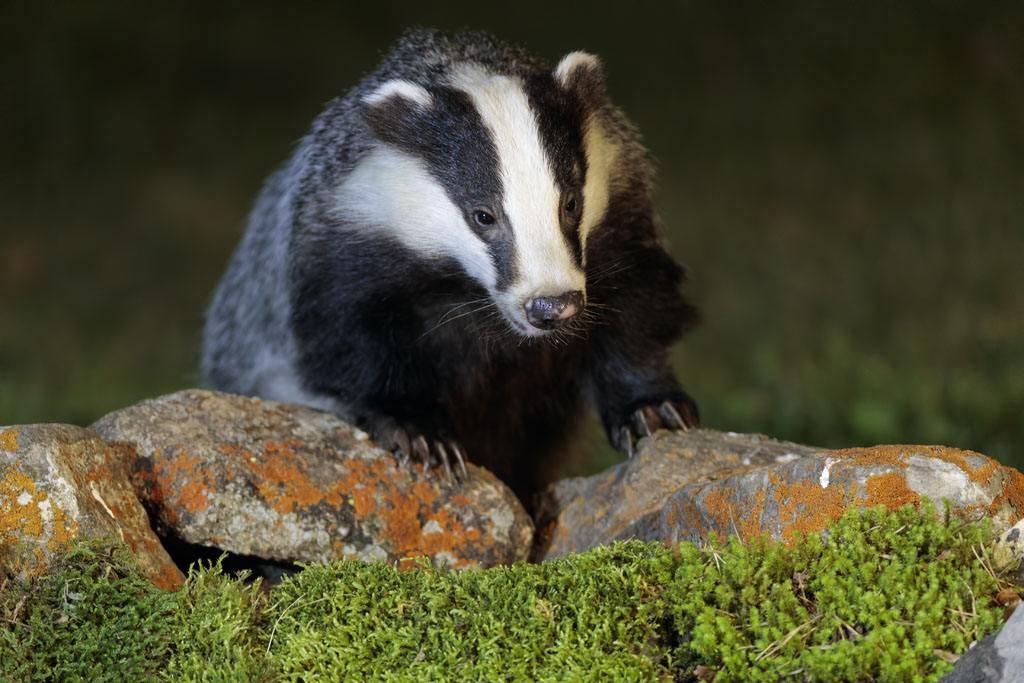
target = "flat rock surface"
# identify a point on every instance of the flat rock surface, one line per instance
(59, 483)
(733, 484)
(292, 484)
(998, 658)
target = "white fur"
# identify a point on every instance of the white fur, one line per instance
(573, 61)
(399, 88)
(532, 199)
(392, 192)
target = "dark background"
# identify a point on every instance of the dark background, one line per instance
(845, 181)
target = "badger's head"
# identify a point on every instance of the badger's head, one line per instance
(505, 175)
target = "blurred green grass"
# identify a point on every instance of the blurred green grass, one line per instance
(845, 181)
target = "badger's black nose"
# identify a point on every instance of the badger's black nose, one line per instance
(549, 312)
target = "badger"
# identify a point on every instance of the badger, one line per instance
(461, 256)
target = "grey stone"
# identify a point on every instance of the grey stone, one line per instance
(1008, 553)
(291, 484)
(687, 485)
(998, 658)
(60, 483)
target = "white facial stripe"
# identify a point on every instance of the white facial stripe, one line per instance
(601, 153)
(399, 88)
(392, 192)
(545, 265)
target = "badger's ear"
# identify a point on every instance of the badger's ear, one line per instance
(393, 110)
(582, 74)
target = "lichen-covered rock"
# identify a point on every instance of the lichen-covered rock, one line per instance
(998, 658)
(779, 499)
(582, 512)
(59, 483)
(292, 484)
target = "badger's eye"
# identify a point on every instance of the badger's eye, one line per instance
(570, 205)
(483, 219)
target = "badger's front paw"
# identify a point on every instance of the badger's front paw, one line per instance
(413, 447)
(680, 413)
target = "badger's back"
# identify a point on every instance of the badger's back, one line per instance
(248, 346)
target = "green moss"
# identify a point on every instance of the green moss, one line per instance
(218, 630)
(886, 595)
(599, 614)
(93, 618)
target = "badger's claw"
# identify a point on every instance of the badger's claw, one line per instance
(671, 416)
(421, 450)
(441, 451)
(411, 446)
(626, 442)
(460, 458)
(643, 422)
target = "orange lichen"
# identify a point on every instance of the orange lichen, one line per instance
(691, 514)
(23, 518)
(30, 514)
(897, 454)
(63, 531)
(891, 490)
(750, 524)
(407, 513)
(388, 498)
(725, 514)
(9, 439)
(982, 474)
(284, 482)
(377, 487)
(1012, 493)
(1014, 488)
(718, 505)
(15, 517)
(193, 497)
(805, 506)
(182, 481)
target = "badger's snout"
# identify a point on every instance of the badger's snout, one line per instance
(550, 312)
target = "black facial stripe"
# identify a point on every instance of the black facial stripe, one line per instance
(572, 238)
(460, 153)
(560, 118)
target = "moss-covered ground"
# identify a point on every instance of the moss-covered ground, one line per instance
(883, 595)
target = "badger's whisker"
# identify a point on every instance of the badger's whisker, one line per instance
(444, 320)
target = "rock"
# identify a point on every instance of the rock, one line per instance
(783, 490)
(59, 483)
(999, 658)
(291, 484)
(582, 512)
(1008, 553)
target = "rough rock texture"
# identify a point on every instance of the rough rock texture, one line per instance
(59, 483)
(751, 485)
(996, 659)
(579, 513)
(291, 484)
(1008, 553)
